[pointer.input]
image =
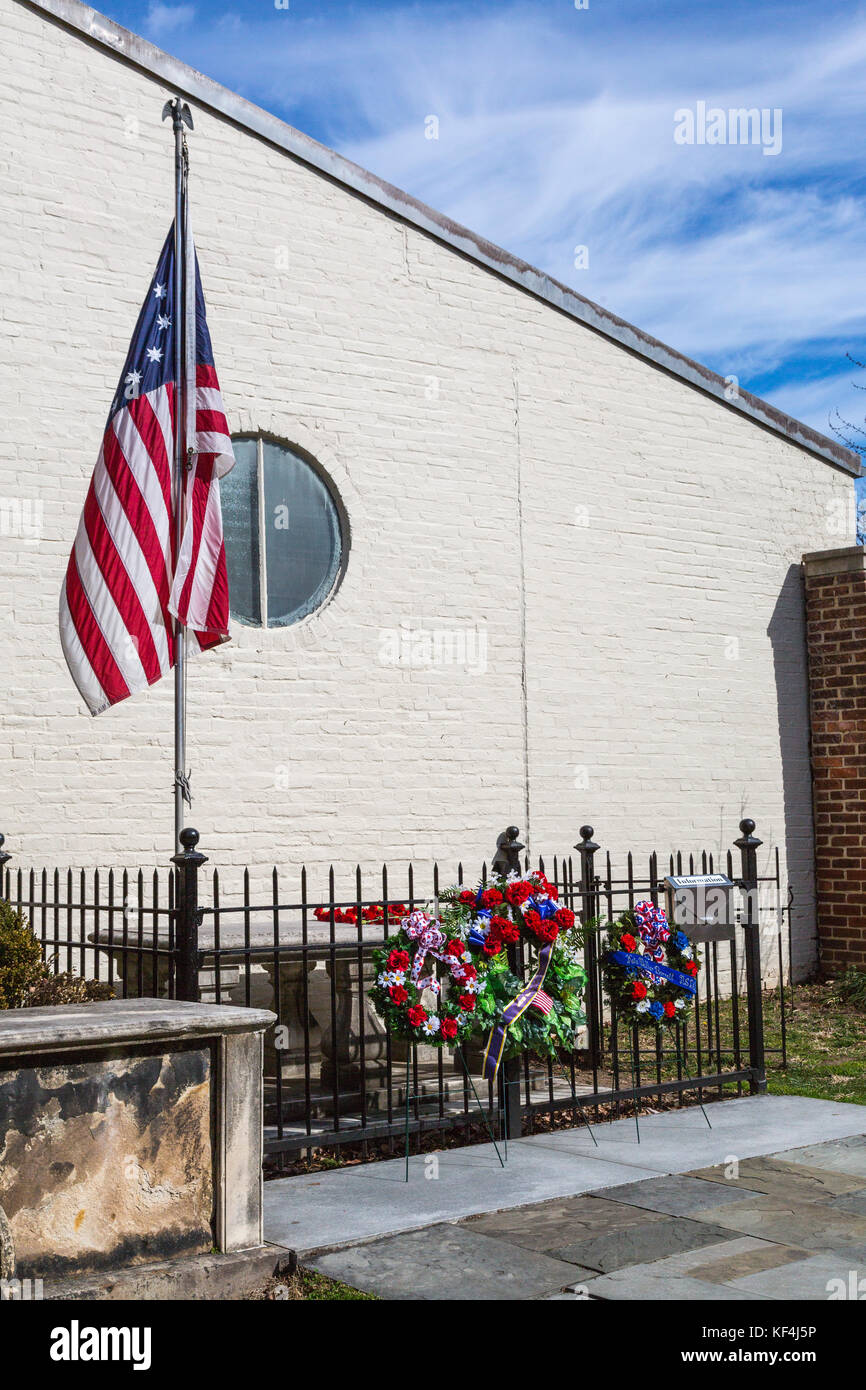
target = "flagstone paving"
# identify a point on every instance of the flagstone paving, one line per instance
(781, 1177)
(637, 1244)
(678, 1195)
(847, 1155)
(320, 1211)
(791, 1224)
(448, 1262)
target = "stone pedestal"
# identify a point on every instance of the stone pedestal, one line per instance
(131, 1131)
(355, 1017)
(284, 1043)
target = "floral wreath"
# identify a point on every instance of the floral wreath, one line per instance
(544, 1014)
(427, 942)
(650, 971)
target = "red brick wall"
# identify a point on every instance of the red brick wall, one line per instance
(835, 582)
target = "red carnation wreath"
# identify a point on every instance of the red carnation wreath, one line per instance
(427, 958)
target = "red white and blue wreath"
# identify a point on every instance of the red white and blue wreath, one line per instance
(650, 971)
(540, 1015)
(428, 956)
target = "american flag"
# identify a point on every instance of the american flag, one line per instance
(124, 583)
(542, 1002)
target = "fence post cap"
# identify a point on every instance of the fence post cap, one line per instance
(586, 841)
(747, 839)
(189, 838)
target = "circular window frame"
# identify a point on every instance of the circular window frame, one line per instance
(254, 435)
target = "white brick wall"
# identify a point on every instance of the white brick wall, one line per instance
(304, 747)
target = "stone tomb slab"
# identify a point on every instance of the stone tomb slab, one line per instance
(446, 1262)
(648, 1283)
(746, 1256)
(854, 1202)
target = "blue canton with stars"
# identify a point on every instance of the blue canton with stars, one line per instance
(150, 361)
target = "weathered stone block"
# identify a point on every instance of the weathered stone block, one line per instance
(107, 1162)
(130, 1133)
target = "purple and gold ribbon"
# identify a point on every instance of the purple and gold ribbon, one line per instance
(512, 1012)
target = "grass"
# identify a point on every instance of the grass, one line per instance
(826, 1035)
(305, 1286)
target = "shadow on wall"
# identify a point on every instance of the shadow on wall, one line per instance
(787, 633)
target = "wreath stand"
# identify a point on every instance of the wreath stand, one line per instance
(560, 1067)
(411, 1095)
(680, 1069)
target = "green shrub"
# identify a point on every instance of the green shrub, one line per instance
(67, 989)
(21, 963)
(851, 987)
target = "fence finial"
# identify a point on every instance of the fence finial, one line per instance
(506, 860)
(748, 844)
(4, 856)
(586, 841)
(747, 828)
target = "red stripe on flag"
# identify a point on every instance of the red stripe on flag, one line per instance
(211, 421)
(145, 420)
(120, 587)
(137, 514)
(90, 636)
(200, 492)
(206, 376)
(218, 611)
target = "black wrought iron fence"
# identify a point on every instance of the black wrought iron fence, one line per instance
(334, 1077)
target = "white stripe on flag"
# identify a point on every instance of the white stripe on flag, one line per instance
(135, 564)
(76, 659)
(208, 555)
(139, 464)
(109, 620)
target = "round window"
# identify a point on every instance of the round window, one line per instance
(284, 543)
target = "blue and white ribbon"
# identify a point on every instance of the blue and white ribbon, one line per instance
(632, 961)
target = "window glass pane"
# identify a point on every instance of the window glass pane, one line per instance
(239, 495)
(302, 537)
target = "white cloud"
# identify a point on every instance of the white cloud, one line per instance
(556, 130)
(166, 19)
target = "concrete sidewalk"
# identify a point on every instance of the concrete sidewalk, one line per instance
(348, 1206)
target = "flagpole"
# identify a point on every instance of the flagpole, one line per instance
(180, 116)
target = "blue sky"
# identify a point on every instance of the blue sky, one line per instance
(556, 131)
